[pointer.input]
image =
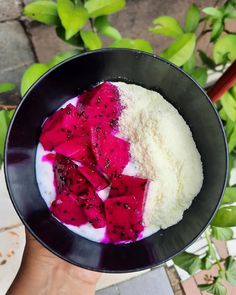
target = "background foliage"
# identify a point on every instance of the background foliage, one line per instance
(84, 24)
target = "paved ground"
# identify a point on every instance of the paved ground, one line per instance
(23, 42)
(154, 282)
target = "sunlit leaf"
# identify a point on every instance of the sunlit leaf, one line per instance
(192, 18)
(215, 12)
(225, 217)
(222, 233)
(138, 44)
(189, 262)
(62, 56)
(167, 26)
(229, 195)
(229, 105)
(225, 45)
(6, 87)
(180, 50)
(103, 7)
(73, 16)
(102, 24)
(200, 75)
(32, 74)
(230, 274)
(91, 40)
(43, 11)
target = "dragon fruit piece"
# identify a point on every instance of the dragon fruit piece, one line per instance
(67, 176)
(94, 208)
(124, 222)
(77, 148)
(111, 153)
(68, 208)
(129, 185)
(64, 125)
(97, 180)
(102, 105)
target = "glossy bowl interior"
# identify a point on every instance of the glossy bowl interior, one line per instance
(68, 80)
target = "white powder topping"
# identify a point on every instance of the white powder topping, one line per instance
(162, 150)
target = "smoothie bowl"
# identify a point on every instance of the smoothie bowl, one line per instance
(116, 160)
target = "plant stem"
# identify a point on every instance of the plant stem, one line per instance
(214, 254)
(92, 25)
(228, 32)
(202, 34)
(7, 107)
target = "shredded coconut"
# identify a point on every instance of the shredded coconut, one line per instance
(162, 150)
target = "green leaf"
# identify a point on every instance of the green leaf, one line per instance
(229, 195)
(62, 56)
(232, 140)
(217, 29)
(180, 50)
(103, 7)
(215, 288)
(212, 11)
(167, 26)
(229, 128)
(102, 24)
(206, 60)
(221, 233)
(225, 217)
(6, 87)
(231, 14)
(230, 274)
(43, 11)
(192, 18)
(73, 16)
(233, 91)
(206, 263)
(229, 105)
(5, 117)
(223, 115)
(31, 75)
(91, 40)
(190, 64)
(200, 75)
(225, 45)
(189, 262)
(138, 44)
(75, 40)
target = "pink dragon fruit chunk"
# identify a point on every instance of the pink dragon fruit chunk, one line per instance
(77, 148)
(124, 222)
(93, 208)
(102, 106)
(111, 153)
(67, 176)
(129, 185)
(64, 125)
(68, 208)
(97, 180)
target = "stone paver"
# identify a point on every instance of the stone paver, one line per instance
(46, 42)
(154, 282)
(113, 290)
(15, 54)
(9, 9)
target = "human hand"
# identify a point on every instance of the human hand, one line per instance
(44, 273)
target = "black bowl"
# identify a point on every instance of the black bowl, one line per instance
(68, 80)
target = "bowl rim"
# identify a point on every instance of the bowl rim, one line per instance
(92, 53)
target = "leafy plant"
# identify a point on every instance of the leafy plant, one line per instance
(84, 23)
